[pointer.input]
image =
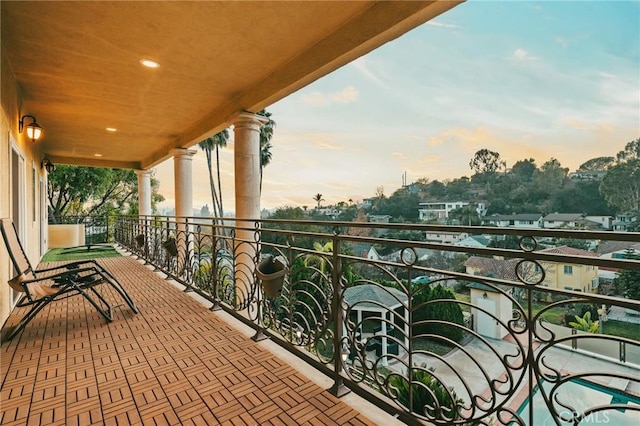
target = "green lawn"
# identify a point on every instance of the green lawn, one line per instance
(79, 253)
(621, 329)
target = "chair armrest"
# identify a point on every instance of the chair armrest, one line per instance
(32, 286)
(72, 265)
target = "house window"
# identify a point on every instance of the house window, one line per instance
(568, 270)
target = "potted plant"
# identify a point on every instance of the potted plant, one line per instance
(271, 272)
(140, 240)
(171, 247)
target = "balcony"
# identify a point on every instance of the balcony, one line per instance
(175, 362)
(500, 352)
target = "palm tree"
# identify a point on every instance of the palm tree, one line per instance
(266, 133)
(319, 260)
(209, 145)
(318, 199)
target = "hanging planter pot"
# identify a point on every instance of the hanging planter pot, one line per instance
(171, 247)
(140, 240)
(271, 272)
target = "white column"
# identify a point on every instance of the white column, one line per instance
(182, 176)
(144, 192)
(246, 129)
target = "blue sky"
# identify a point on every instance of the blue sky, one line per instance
(535, 80)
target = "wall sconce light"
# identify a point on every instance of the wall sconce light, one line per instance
(484, 295)
(48, 165)
(34, 131)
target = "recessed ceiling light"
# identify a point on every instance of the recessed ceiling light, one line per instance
(97, 155)
(149, 63)
(111, 129)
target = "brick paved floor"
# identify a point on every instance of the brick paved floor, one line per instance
(173, 363)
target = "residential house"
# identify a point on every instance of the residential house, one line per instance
(492, 267)
(439, 210)
(474, 241)
(445, 237)
(331, 212)
(617, 249)
(570, 276)
(380, 218)
(624, 220)
(588, 175)
(613, 250)
(562, 220)
(601, 222)
(522, 220)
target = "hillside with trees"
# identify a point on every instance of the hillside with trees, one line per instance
(527, 187)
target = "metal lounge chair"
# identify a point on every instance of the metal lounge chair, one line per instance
(43, 286)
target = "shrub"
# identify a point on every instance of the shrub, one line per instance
(429, 397)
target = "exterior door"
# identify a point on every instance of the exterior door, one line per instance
(44, 214)
(486, 323)
(18, 198)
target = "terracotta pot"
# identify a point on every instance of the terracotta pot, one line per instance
(271, 272)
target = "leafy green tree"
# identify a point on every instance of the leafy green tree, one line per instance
(580, 197)
(425, 311)
(486, 163)
(596, 164)
(524, 169)
(552, 174)
(630, 152)
(266, 133)
(498, 205)
(287, 213)
(465, 216)
(459, 189)
(436, 189)
(621, 185)
(628, 281)
(77, 190)
(212, 146)
(402, 205)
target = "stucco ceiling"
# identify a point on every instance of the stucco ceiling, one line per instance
(77, 65)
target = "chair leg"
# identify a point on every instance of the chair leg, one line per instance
(37, 307)
(106, 314)
(115, 284)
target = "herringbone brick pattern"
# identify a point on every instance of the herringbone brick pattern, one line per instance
(173, 363)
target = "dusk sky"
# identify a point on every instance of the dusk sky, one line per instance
(535, 80)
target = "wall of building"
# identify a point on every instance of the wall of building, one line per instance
(30, 174)
(580, 279)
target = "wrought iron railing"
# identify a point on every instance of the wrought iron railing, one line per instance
(432, 332)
